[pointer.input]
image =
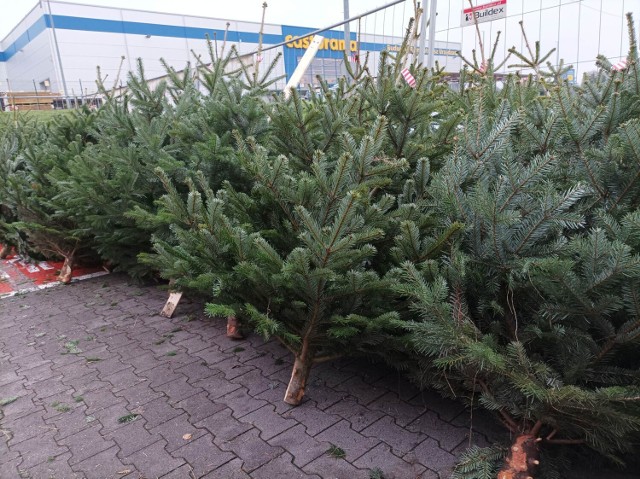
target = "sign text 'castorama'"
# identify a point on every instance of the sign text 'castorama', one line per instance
(484, 13)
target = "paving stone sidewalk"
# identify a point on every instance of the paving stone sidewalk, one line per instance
(106, 388)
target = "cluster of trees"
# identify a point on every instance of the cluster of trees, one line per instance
(486, 241)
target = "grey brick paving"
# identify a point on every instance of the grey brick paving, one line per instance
(106, 388)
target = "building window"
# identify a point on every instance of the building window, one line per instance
(329, 69)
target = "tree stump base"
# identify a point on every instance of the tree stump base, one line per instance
(171, 304)
(523, 459)
(66, 271)
(233, 330)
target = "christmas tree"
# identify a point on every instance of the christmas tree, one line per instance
(299, 248)
(173, 126)
(532, 313)
(10, 145)
(486, 241)
(134, 136)
(295, 264)
(31, 189)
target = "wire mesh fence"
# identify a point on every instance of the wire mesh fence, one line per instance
(578, 30)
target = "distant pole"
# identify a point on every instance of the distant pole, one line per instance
(81, 90)
(483, 43)
(358, 41)
(347, 36)
(258, 56)
(558, 37)
(423, 34)
(35, 89)
(11, 103)
(57, 48)
(432, 32)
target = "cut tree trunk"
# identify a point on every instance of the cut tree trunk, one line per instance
(233, 329)
(523, 459)
(299, 376)
(171, 304)
(4, 252)
(66, 270)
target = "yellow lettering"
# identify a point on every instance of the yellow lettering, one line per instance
(327, 43)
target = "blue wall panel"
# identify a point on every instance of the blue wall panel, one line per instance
(23, 40)
(64, 22)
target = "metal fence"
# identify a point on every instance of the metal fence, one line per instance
(579, 30)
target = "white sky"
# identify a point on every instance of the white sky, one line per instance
(577, 28)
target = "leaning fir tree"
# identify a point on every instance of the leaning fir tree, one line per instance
(10, 146)
(295, 257)
(173, 125)
(299, 243)
(33, 185)
(533, 314)
(112, 177)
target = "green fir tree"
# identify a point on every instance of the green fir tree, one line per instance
(32, 189)
(531, 313)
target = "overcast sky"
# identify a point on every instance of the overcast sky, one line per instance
(578, 28)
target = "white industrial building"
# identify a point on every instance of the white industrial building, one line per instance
(57, 47)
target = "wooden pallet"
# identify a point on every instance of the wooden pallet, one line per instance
(30, 100)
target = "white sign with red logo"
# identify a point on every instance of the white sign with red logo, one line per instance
(484, 13)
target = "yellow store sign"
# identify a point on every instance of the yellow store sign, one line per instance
(328, 43)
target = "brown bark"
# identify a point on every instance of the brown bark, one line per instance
(4, 252)
(233, 329)
(299, 376)
(66, 270)
(523, 459)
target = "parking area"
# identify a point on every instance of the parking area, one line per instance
(95, 384)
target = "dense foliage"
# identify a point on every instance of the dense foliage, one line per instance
(485, 240)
